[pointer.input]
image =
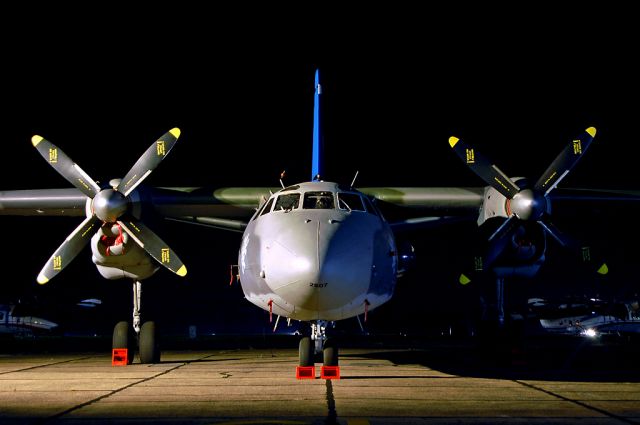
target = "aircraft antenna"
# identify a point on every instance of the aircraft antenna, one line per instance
(353, 182)
(282, 177)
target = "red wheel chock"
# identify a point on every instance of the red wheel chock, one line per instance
(330, 372)
(305, 372)
(119, 357)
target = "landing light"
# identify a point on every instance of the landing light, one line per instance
(591, 333)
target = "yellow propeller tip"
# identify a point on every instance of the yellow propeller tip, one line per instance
(591, 131)
(464, 279)
(175, 132)
(453, 140)
(604, 269)
(42, 279)
(36, 139)
(182, 271)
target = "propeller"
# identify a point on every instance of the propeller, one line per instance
(109, 205)
(524, 203)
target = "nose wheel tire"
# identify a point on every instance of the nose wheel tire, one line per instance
(330, 352)
(149, 347)
(123, 338)
(306, 352)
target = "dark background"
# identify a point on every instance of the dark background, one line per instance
(518, 84)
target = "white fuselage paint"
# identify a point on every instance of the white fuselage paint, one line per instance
(318, 264)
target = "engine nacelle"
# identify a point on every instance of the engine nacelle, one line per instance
(523, 253)
(117, 255)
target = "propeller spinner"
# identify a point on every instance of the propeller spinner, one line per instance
(109, 205)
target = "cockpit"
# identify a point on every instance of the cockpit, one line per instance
(295, 198)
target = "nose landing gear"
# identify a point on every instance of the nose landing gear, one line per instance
(313, 346)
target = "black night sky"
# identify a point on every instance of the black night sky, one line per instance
(397, 84)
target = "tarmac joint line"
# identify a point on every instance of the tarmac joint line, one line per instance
(102, 397)
(332, 416)
(579, 403)
(44, 365)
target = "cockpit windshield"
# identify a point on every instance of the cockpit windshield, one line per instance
(287, 202)
(318, 200)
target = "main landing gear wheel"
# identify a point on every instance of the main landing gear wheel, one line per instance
(149, 348)
(122, 338)
(330, 353)
(306, 352)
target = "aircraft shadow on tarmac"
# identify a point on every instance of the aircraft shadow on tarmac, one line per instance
(578, 360)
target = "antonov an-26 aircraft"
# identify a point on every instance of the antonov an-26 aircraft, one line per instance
(315, 251)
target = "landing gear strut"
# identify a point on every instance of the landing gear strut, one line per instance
(500, 300)
(318, 343)
(145, 334)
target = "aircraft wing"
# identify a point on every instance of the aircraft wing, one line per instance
(444, 200)
(226, 208)
(230, 207)
(43, 202)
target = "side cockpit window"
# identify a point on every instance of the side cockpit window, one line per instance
(287, 202)
(350, 202)
(267, 207)
(318, 200)
(370, 207)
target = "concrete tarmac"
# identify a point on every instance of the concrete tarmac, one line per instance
(258, 386)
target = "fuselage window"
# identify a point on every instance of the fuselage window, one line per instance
(267, 207)
(287, 202)
(350, 201)
(318, 200)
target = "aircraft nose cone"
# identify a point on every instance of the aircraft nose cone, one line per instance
(321, 269)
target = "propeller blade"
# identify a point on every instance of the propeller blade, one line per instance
(565, 161)
(499, 239)
(564, 240)
(597, 264)
(484, 168)
(69, 249)
(505, 228)
(65, 166)
(154, 246)
(148, 161)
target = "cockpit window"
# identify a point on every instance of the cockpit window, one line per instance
(258, 211)
(318, 200)
(370, 207)
(287, 202)
(350, 202)
(267, 207)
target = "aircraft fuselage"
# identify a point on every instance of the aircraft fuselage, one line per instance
(318, 251)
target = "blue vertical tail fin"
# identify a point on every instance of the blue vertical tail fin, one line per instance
(316, 161)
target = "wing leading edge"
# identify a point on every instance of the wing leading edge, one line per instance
(231, 207)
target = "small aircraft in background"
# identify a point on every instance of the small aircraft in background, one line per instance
(587, 316)
(316, 251)
(14, 324)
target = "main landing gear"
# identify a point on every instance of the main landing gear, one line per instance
(145, 335)
(315, 345)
